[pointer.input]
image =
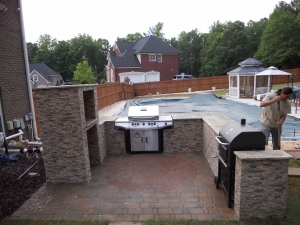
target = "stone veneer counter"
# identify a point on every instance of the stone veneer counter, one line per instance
(262, 155)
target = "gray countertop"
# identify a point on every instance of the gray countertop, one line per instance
(262, 155)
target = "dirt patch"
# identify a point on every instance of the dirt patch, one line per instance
(15, 192)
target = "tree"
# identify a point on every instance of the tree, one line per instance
(84, 47)
(156, 31)
(63, 60)
(280, 42)
(45, 52)
(46, 42)
(232, 47)
(209, 57)
(254, 31)
(32, 49)
(131, 37)
(190, 45)
(83, 74)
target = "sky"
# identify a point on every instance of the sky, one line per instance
(66, 19)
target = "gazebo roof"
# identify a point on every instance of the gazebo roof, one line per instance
(249, 66)
(250, 62)
(248, 69)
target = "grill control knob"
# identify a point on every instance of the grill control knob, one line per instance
(166, 123)
(149, 123)
(154, 123)
(138, 124)
(132, 124)
(143, 124)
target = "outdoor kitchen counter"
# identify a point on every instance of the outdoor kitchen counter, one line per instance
(215, 120)
(262, 155)
(103, 119)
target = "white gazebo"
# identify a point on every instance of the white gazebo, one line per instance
(269, 72)
(243, 82)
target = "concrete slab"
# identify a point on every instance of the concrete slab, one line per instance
(294, 172)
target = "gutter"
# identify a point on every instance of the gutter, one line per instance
(27, 72)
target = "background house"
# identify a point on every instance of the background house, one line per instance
(15, 93)
(147, 59)
(43, 76)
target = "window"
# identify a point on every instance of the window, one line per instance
(152, 58)
(35, 78)
(159, 58)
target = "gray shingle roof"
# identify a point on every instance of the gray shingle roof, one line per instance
(129, 50)
(250, 62)
(43, 70)
(152, 44)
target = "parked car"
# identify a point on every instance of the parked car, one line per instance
(182, 77)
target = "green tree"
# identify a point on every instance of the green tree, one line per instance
(209, 57)
(156, 31)
(84, 47)
(32, 49)
(46, 42)
(63, 60)
(45, 52)
(190, 45)
(280, 42)
(254, 31)
(83, 74)
(131, 37)
(232, 47)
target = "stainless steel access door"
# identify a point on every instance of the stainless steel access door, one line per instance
(144, 140)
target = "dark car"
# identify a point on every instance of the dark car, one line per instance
(182, 77)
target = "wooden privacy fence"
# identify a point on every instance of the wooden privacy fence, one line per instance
(177, 86)
(108, 94)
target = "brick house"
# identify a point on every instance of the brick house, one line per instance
(147, 59)
(15, 92)
(42, 75)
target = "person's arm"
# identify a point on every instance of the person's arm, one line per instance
(281, 120)
(267, 102)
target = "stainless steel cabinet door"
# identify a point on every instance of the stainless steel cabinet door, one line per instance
(144, 140)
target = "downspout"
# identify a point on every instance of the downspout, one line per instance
(28, 72)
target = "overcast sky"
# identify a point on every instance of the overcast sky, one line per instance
(65, 19)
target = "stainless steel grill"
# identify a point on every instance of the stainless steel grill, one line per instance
(234, 137)
(143, 128)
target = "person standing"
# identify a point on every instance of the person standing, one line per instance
(270, 120)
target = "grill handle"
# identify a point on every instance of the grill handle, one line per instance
(221, 159)
(222, 143)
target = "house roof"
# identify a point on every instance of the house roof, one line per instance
(152, 44)
(43, 70)
(129, 50)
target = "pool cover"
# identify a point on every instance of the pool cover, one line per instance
(208, 102)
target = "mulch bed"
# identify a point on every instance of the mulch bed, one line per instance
(15, 192)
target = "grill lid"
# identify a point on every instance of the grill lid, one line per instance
(243, 137)
(150, 112)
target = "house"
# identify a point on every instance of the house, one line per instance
(146, 59)
(16, 102)
(43, 76)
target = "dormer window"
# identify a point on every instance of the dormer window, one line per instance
(152, 57)
(35, 78)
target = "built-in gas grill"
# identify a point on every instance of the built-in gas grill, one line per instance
(143, 128)
(235, 137)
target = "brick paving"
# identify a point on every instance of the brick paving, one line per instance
(135, 187)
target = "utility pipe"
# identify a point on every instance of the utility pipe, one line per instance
(28, 72)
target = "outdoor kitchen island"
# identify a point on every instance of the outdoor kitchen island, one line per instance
(260, 176)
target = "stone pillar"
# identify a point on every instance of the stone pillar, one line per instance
(261, 184)
(70, 132)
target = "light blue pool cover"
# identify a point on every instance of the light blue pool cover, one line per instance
(208, 102)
